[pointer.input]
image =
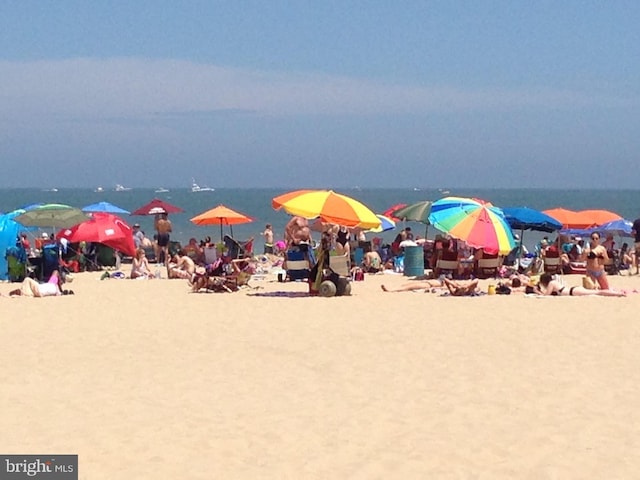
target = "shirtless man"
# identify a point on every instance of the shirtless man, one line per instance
(181, 266)
(372, 262)
(268, 239)
(297, 231)
(163, 226)
(461, 289)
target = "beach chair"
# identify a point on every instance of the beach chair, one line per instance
(236, 249)
(16, 263)
(340, 264)
(105, 256)
(210, 255)
(297, 264)
(552, 264)
(488, 266)
(50, 260)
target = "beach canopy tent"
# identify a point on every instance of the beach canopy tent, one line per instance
(105, 207)
(478, 223)
(9, 231)
(157, 206)
(221, 215)
(103, 228)
(329, 206)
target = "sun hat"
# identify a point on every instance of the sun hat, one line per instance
(45, 235)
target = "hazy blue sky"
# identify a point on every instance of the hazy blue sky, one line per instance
(320, 93)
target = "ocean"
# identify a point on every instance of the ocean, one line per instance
(257, 204)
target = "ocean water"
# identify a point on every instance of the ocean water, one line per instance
(257, 204)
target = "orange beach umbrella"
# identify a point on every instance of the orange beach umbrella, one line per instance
(583, 219)
(221, 215)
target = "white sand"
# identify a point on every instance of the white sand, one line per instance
(144, 380)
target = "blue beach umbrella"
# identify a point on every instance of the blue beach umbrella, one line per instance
(104, 207)
(524, 218)
(620, 227)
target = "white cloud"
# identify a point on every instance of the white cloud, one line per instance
(140, 88)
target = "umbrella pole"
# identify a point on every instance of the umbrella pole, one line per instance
(221, 230)
(426, 231)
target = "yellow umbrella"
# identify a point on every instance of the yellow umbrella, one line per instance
(329, 206)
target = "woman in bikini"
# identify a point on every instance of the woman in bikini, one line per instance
(596, 256)
(548, 286)
(140, 265)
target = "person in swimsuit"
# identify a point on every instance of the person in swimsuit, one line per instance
(163, 226)
(31, 288)
(425, 285)
(548, 286)
(140, 265)
(596, 256)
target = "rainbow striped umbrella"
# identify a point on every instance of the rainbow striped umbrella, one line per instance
(475, 221)
(329, 206)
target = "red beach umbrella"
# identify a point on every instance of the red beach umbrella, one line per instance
(103, 228)
(157, 206)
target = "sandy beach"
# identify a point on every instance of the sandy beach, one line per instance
(144, 380)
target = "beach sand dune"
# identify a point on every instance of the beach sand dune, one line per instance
(143, 379)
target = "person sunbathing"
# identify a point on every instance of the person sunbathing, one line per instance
(462, 288)
(426, 285)
(31, 288)
(548, 286)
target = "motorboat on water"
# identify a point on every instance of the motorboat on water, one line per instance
(162, 190)
(50, 190)
(197, 188)
(98, 190)
(120, 188)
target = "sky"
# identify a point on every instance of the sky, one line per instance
(319, 94)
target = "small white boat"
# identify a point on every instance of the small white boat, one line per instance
(197, 188)
(120, 188)
(50, 190)
(161, 190)
(99, 190)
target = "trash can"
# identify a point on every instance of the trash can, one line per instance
(413, 261)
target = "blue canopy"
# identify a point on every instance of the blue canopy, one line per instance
(524, 218)
(105, 207)
(9, 230)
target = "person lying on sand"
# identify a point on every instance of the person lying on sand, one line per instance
(31, 288)
(461, 288)
(415, 285)
(548, 286)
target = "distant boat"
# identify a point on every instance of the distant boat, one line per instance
(197, 188)
(162, 190)
(50, 190)
(416, 189)
(120, 188)
(99, 190)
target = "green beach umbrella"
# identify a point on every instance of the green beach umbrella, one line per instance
(416, 212)
(54, 215)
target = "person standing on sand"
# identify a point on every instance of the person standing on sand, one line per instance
(268, 239)
(163, 227)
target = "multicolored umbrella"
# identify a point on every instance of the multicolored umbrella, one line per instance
(385, 224)
(157, 206)
(478, 223)
(331, 207)
(221, 215)
(103, 228)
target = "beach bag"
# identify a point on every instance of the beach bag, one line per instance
(588, 283)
